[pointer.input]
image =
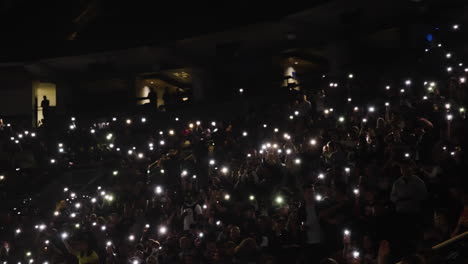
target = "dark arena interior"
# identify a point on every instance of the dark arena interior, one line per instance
(321, 132)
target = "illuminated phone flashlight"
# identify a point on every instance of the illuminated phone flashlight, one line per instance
(109, 243)
(47, 242)
(191, 125)
(276, 130)
(162, 230)
(341, 119)
(279, 200)
(407, 155)
(455, 27)
(321, 176)
(462, 110)
(94, 224)
(318, 197)
(286, 136)
(371, 109)
(103, 228)
(2, 177)
(52, 161)
(265, 126)
(73, 215)
(447, 106)
(213, 123)
(297, 161)
(449, 117)
(109, 136)
(387, 87)
(326, 111)
(452, 153)
(356, 254)
(424, 98)
(131, 237)
(109, 198)
(448, 55)
(200, 235)
(64, 235)
(275, 146)
(162, 171)
(356, 109)
(135, 261)
(249, 155)
(251, 197)
(162, 142)
(205, 206)
(364, 120)
(350, 76)
(288, 151)
(18, 231)
(130, 152)
(140, 155)
(33, 134)
(56, 213)
(241, 90)
(387, 103)
(296, 113)
(77, 205)
(347, 169)
(128, 121)
(143, 119)
(227, 197)
(449, 69)
(224, 170)
(161, 133)
(42, 227)
(313, 142)
(194, 176)
(93, 131)
(291, 117)
(346, 232)
(158, 190)
(261, 152)
(171, 132)
(115, 172)
(184, 173)
(72, 127)
(93, 200)
(356, 191)
(218, 223)
(77, 226)
(244, 133)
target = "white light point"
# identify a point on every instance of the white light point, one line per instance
(224, 170)
(162, 230)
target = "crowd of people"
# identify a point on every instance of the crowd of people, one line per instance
(314, 179)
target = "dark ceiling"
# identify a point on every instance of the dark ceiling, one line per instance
(38, 29)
